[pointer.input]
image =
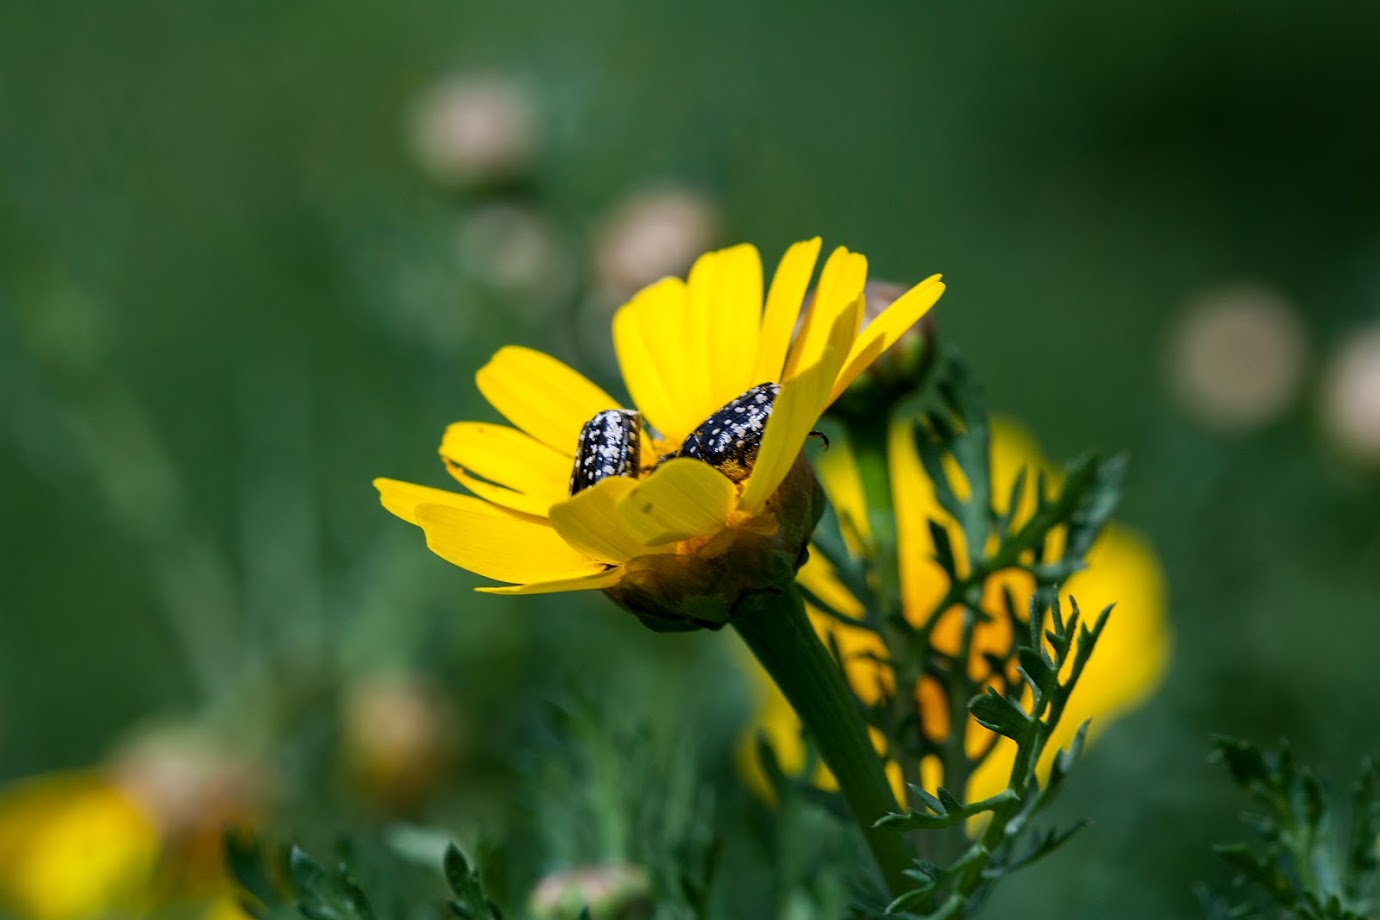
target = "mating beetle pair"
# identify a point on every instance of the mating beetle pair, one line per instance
(610, 443)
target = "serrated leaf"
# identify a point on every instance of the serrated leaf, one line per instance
(1243, 760)
(1036, 664)
(1042, 845)
(1013, 503)
(309, 879)
(943, 548)
(912, 898)
(946, 798)
(321, 895)
(1365, 830)
(926, 799)
(956, 813)
(470, 901)
(1000, 714)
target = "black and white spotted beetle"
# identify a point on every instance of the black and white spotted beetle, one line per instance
(610, 445)
(729, 439)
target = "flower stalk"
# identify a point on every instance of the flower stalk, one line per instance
(778, 632)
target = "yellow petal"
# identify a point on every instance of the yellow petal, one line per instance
(542, 396)
(501, 546)
(594, 582)
(922, 580)
(883, 331)
(734, 324)
(403, 499)
(683, 498)
(498, 495)
(590, 523)
(797, 409)
(837, 470)
(696, 343)
(784, 300)
(840, 283)
(534, 475)
(649, 338)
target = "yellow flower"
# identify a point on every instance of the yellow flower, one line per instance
(1128, 663)
(686, 349)
(82, 846)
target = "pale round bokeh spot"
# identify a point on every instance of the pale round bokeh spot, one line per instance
(474, 130)
(652, 234)
(187, 782)
(519, 252)
(1236, 358)
(614, 890)
(400, 736)
(1351, 395)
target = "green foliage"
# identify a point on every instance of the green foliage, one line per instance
(1016, 692)
(470, 902)
(1303, 861)
(1008, 841)
(277, 884)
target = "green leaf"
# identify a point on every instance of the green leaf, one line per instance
(1043, 844)
(1100, 494)
(1013, 504)
(469, 902)
(322, 895)
(947, 814)
(771, 769)
(1037, 666)
(1365, 831)
(1000, 714)
(244, 859)
(1244, 761)
(912, 898)
(943, 549)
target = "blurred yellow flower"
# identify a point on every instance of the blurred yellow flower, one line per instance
(1128, 664)
(686, 349)
(82, 846)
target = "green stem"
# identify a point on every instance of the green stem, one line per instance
(782, 638)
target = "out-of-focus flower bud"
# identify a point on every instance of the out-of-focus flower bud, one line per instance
(1236, 358)
(898, 372)
(655, 233)
(1351, 396)
(399, 739)
(617, 891)
(192, 787)
(517, 252)
(475, 130)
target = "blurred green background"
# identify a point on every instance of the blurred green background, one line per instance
(231, 293)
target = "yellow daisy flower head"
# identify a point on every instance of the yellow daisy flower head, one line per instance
(1122, 568)
(646, 501)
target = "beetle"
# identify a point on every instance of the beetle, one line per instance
(609, 445)
(729, 439)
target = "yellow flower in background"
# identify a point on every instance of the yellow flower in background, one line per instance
(1128, 663)
(73, 846)
(685, 349)
(82, 846)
